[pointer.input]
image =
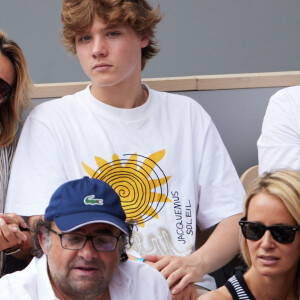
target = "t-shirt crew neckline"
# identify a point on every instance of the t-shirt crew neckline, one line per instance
(120, 114)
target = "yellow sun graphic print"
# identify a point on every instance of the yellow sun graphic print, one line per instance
(138, 180)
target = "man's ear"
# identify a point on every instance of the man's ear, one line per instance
(42, 236)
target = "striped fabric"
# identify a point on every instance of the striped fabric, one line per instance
(238, 288)
(6, 156)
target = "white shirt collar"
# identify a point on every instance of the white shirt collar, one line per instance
(44, 287)
(121, 284)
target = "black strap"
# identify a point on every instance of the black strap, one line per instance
(243, 285)
(240, 278)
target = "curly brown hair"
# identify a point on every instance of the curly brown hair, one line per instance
(77, 16)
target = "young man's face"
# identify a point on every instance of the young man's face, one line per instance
(110, 55)
(84, 272)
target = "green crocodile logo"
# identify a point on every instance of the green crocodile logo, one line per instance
(90, 200)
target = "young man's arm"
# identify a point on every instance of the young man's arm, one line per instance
(220, 248)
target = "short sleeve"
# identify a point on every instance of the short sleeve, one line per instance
(37, 170)
(279, 142)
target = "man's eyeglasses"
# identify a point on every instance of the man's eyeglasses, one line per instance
(5, 91)
(76, 241)
(281, 233)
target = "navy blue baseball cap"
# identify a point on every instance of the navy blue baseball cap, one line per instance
(85, 201)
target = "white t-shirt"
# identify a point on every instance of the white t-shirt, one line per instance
(132, 280)
(279, 143)
(165, 159)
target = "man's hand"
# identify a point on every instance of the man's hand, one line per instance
(179, 271)
(206, 259)
(10, 233)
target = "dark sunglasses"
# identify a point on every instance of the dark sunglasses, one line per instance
(281, 233)
(5, 91)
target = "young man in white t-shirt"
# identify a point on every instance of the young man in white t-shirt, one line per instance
(160, 152)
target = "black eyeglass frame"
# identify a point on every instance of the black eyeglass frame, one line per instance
(7, 94)
(87, 238)
(286, 239)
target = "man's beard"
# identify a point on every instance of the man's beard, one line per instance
(80, 286)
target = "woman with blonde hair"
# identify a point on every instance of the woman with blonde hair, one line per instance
(270, 241)
(15, 85)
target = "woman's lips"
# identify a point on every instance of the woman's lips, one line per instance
(268, 260)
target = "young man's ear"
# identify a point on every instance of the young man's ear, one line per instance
(144, 42)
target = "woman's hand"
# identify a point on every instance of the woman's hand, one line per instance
(10, 233)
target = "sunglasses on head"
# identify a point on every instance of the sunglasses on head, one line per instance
(283, 234)
(5, 91)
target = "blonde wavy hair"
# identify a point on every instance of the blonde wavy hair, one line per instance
(10, 111)
(77, 16)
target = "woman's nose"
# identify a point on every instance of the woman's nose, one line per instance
(267, 240)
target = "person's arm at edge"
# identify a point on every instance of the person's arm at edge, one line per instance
(222, 245)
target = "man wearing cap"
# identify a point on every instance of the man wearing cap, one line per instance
(81, 244)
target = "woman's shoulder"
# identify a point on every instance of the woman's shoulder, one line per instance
(220, 294)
